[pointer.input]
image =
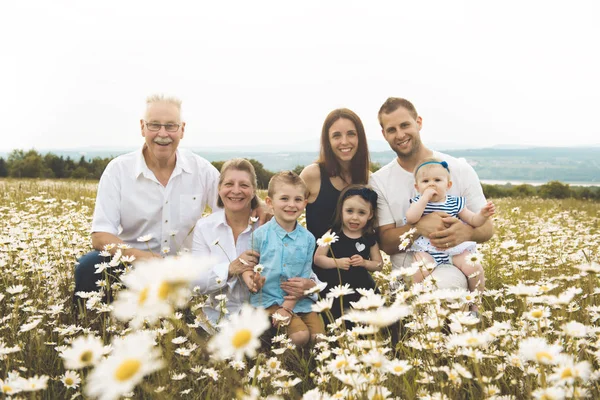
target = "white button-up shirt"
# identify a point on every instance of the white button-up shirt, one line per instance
(213, 281)
(131, 202)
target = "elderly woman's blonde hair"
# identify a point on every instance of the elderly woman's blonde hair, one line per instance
(239, 164)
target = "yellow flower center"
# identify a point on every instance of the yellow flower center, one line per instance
(143, 296)
(543, 355)
(86, 357)
(472, 341)
(164, 290)
(127, 369)
(567, 373)
(537, 313)
(398, 368)
(241, 338)
(68, 381)
(7, 389)
(378, 397)
(377, 364)
(341, 364)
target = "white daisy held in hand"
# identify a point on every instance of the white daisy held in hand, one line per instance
(327, 239)
(145, 238)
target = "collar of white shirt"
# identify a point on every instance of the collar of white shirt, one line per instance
(181, 164)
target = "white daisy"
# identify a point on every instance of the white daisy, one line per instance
(340, 290)
(134, 356)
(145, 238)
(84, 352)
(240, 335)
(327, 239)
(71, 379)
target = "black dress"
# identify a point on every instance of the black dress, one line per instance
(356, 277)
(320, 213)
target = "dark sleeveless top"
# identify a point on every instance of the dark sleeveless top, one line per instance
(320, 213)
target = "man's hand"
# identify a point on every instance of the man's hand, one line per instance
(431, 223)
(456, 233)
(295, 287)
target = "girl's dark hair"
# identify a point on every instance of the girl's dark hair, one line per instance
(366, 193)
(359, 165)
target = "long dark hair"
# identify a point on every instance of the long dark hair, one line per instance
(359, 165)
(367, 194)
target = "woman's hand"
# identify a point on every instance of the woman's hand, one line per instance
(295, 287)
(245, 262)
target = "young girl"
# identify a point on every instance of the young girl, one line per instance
(356, 252)
(432, 181)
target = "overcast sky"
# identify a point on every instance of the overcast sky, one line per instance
(76, 73)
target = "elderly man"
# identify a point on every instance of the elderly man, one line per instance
(394, 183)
(150, 199)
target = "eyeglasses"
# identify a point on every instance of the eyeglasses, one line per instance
(154, 127)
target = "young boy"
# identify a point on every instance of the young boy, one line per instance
(286, 250)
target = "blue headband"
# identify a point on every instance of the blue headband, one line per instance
(442, 163)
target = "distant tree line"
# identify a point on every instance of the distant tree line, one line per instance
(550, 190)
(31, 164)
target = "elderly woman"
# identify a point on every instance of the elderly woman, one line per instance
(226, 236)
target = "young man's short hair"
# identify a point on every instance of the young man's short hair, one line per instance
(394, 103)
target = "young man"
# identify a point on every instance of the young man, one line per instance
(394, 184)
(286, 251)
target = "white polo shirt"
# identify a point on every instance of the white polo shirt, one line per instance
(395, 187)
(131, 203)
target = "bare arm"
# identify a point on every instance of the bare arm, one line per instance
(323, 261)
(415, 211)
(374, 264)
(311, 175)
(389, 235)
(478, 219)
(101, 239)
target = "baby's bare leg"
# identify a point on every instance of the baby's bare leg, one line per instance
(474, 273)
(423, 258)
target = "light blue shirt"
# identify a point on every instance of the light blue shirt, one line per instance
(284, 255)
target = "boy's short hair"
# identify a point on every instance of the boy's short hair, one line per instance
(286, 177)
(428, 163)
(394, 103)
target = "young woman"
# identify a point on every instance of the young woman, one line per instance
(343, 160)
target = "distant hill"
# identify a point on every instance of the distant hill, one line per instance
(501, 163)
